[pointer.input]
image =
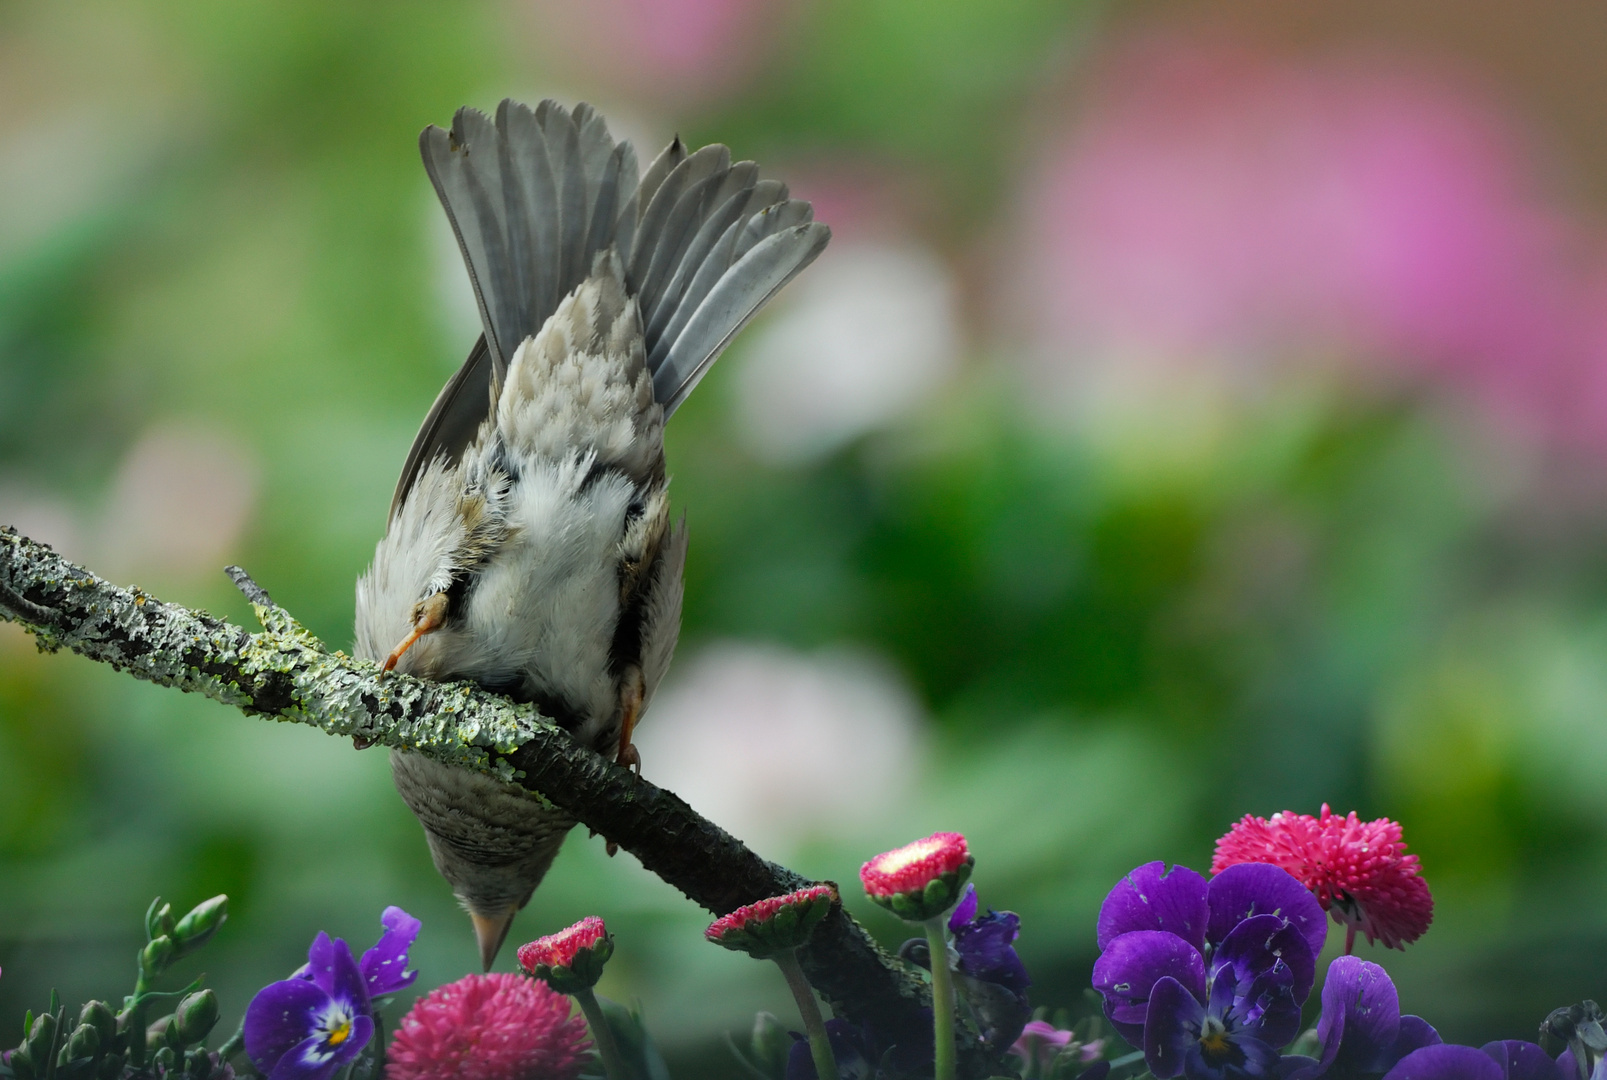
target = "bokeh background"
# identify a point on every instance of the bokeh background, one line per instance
(1201, 410)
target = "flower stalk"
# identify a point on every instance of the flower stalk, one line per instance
(814, 1023)
(942, 1000)
(774, 929)
(602, 1034)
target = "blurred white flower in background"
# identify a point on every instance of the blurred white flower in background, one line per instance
(780, 746)
(868, 334)
(179, 504)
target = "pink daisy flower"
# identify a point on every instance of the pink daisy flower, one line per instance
(1358, 870)
(771, 925)
(919, 881)
(489, 1027)
(572, 959)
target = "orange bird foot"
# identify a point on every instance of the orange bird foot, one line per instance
(429, 615)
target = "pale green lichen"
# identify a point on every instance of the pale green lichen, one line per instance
(452, 723)
(329, 691)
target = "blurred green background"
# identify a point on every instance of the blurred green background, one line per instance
(1201, 410)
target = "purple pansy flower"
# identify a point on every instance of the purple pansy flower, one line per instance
(1511, 1059)
(984, 943)
(1361, 1032)
(1262, 930)
(989, 973)
(309, 1025)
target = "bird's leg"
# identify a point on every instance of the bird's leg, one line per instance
(429, 614)
(630, 710)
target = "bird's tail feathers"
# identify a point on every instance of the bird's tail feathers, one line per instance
(536, 194)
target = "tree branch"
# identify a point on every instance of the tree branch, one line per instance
(285, 673)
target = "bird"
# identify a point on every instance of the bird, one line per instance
(529, 548)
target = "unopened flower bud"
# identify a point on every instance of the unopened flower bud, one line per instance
(572, 959)
(98, 1015)
(771, 1044)
(195, 1016)
(84, 1043)
(21, 1063)
(201, 923)
(157, 955)
(158, 919)
(41, 1037)
(165, 1059)
(919, 881)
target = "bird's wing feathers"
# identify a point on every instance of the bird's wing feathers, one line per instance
(536, 194)
(452, 421)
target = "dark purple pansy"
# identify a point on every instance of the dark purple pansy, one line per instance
(1250, 1005)
(988, 971)
(1156, 925)
(1511, 1059)
(313, 1023)
(1361, 1031)
(984, 944)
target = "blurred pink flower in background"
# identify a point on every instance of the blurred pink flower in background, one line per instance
(1217, 206)
(678, 50)
(180, 503)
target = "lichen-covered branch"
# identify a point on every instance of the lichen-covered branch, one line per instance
(285, 673)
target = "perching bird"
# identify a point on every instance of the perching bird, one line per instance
(529, 547)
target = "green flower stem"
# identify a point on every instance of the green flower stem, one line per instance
(607, 1048)
(942, 1000)
(819, 1044)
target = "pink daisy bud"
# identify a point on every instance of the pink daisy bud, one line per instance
(1358, 870)
(489, 1027)
(773, 925)
(922, 880)
(571, 959)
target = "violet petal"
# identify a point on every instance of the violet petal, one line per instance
(1255, 1059)
(965, 911)
(1446, 1062)
(279, 1017)
(1259, 942)
(1125, 972)
(1171, 1027)
(1247, 889)
(985, 953)
(302, 1062)
(1520, 1060)
(1416, 1033)
(314, 1059)
(384, 967)
(1154, 898)
(1361, 1016)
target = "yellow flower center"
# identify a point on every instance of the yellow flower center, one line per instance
(1214, 1041)
(338, 1033)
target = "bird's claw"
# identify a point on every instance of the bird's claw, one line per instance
(630, 758)
(429, 615)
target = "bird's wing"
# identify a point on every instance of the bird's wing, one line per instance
(450, 425)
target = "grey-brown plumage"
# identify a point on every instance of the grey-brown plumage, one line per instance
(529, 547)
